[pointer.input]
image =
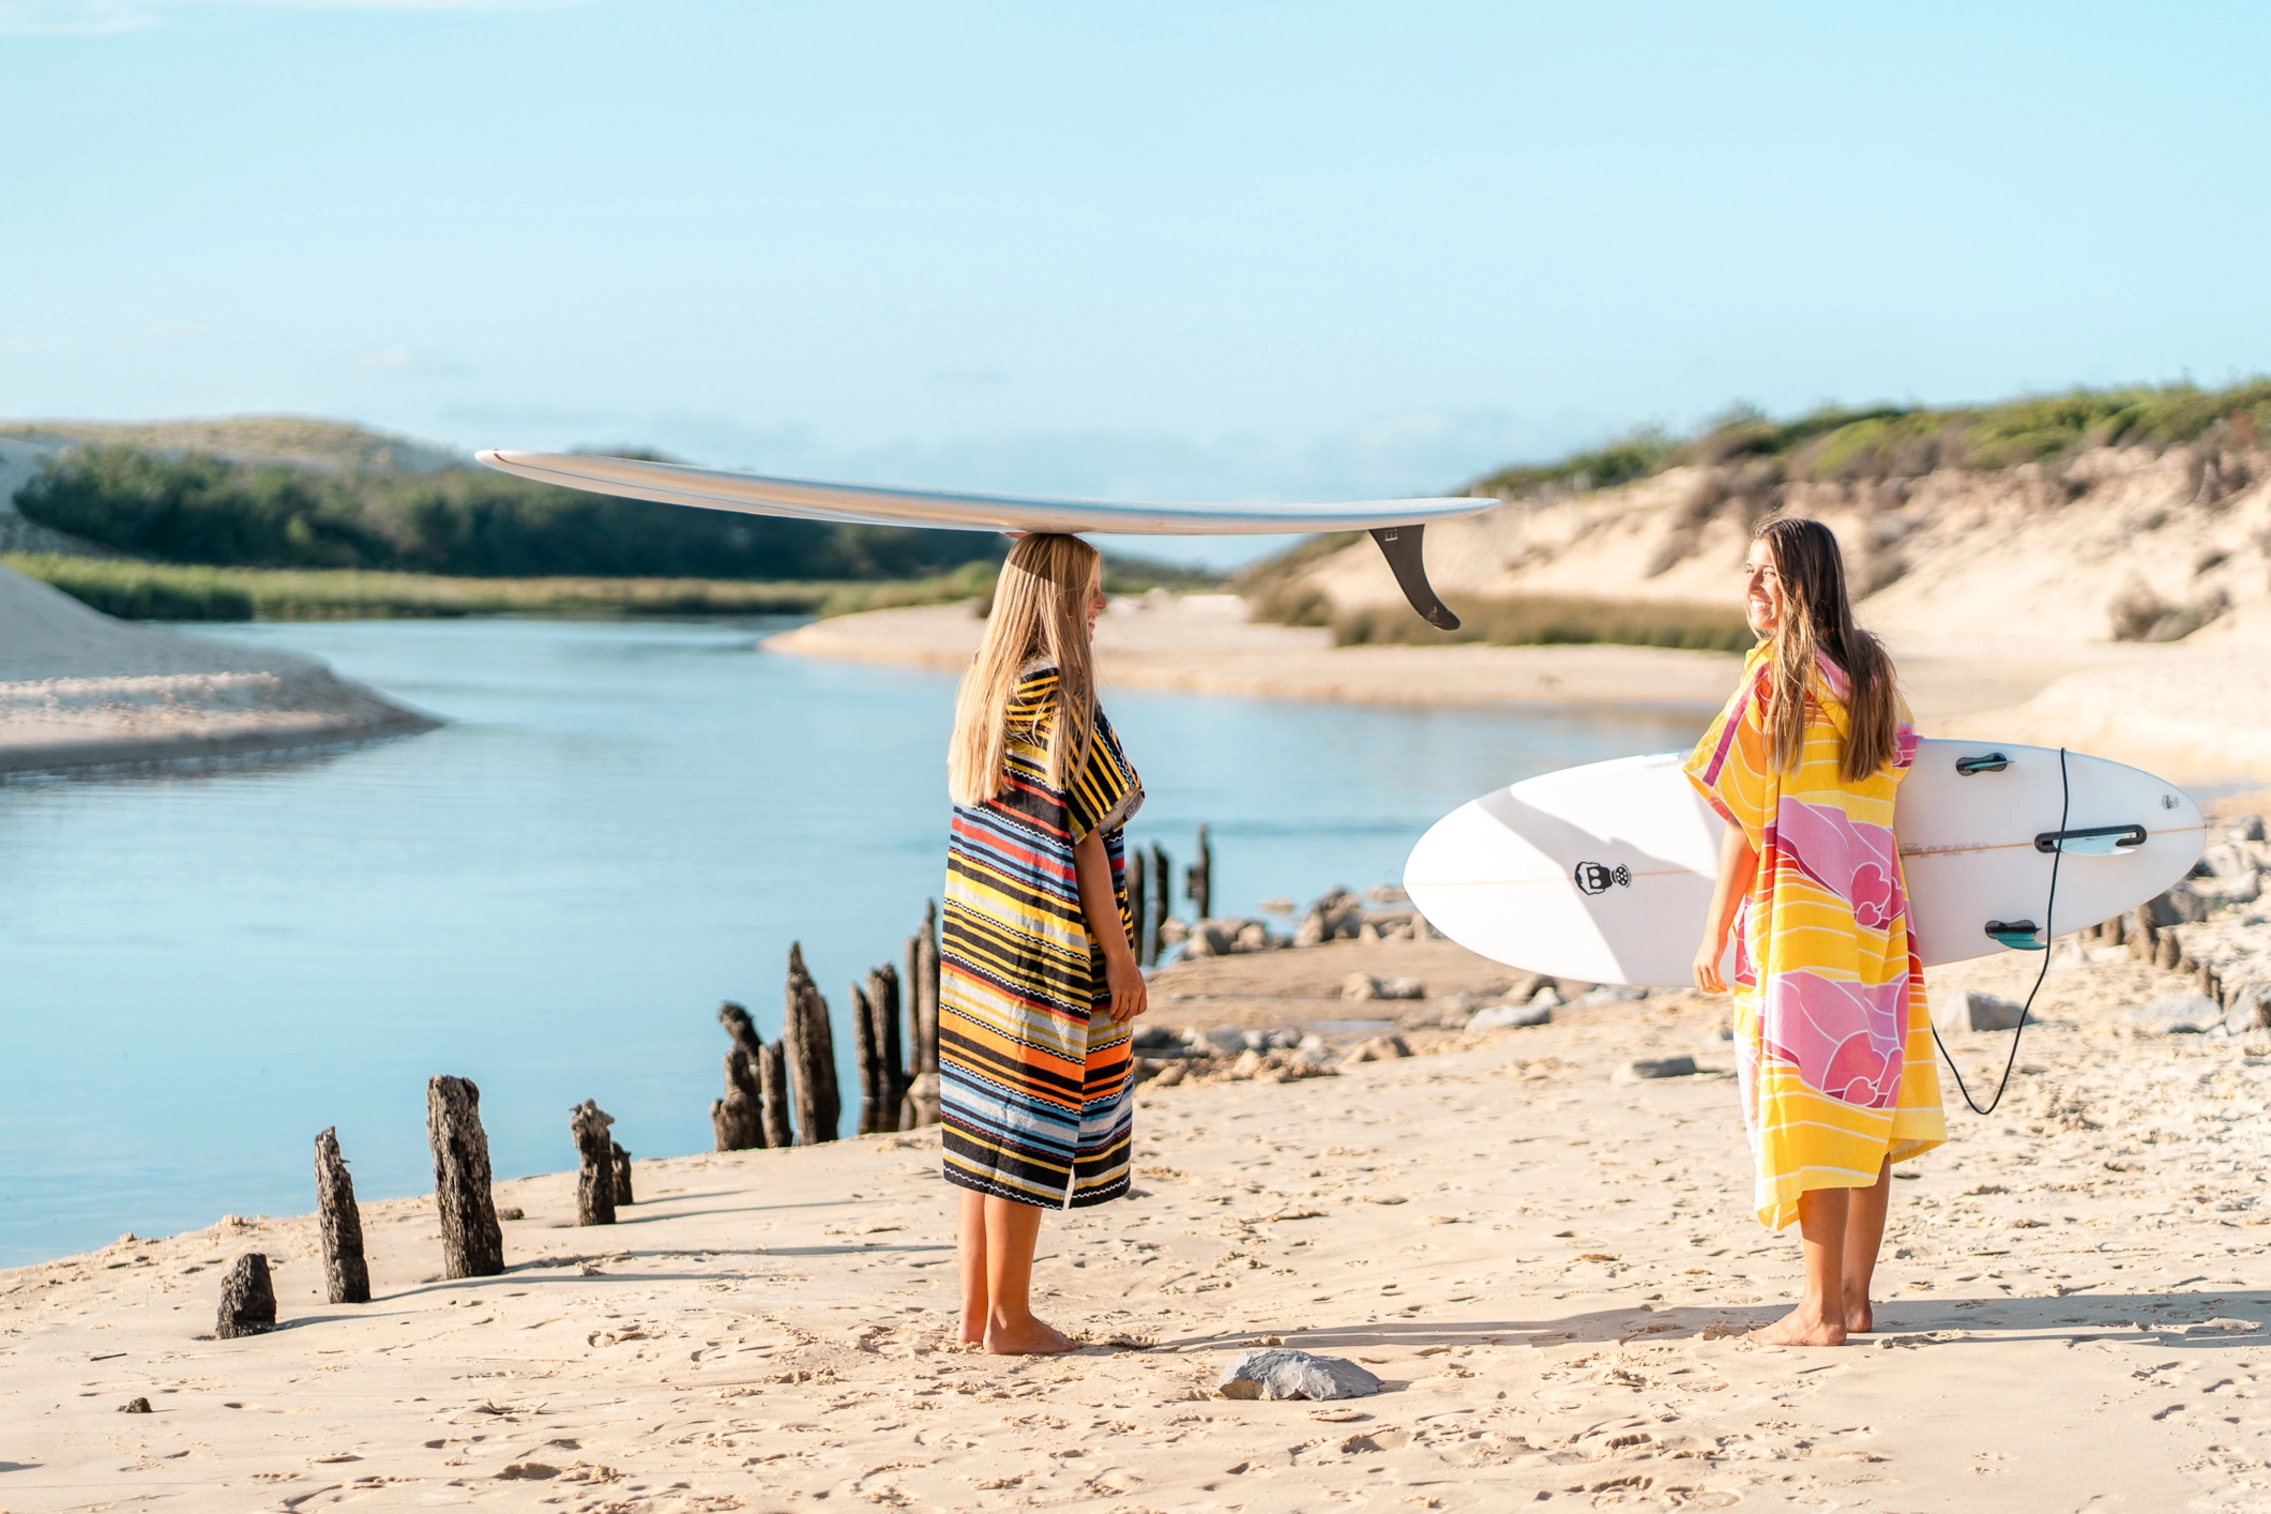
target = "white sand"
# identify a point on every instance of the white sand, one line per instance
(79, 688)
(1550, 1270)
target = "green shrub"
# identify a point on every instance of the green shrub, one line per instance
(1552, 619)
(139, 591)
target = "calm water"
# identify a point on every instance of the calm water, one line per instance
(622, 824)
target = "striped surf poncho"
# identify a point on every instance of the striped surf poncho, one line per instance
(1833, 1040)
(1035, 1092)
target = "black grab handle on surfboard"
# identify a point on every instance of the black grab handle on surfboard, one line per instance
(1400, 545)
(2092, 841)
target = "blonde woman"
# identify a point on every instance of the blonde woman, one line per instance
(1037, 973)
(1832, 1039)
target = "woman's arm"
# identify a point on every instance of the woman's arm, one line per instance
(1093, 868)
(1738, 864)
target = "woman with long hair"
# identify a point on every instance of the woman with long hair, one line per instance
(1037, 972)
(1832, 1038)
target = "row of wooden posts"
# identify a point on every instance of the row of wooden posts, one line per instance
(781, 1094)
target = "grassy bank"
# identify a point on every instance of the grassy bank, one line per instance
(1538, 620)
(177, 591)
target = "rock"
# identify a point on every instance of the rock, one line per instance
(1357, 986)
(1390, 893)
(1547, 997)
(1152, 1040)
(2249, 1009)
(1284, 1038)
(514, 1213)
(1173, 930)
(2181, 905)
(1360, 986)
(1969, 1009)
(1249, 1062)
(2239, 888)
(1280, 1373)
(248, 1299)
(1337, 916)
(2228, 860)
(135, 1406)
(1613, 993)
(1254, 936)
(1223, 1040)
(1505, 1016)
(1378, 1049)
(1278, 906)
(1168, 1075)
(1648, 1069)
(2177, 1015)
(2247, 828)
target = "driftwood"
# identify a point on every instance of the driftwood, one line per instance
(622, 1174)
(774, 1095)
(1198, 882)
(737, 1121)
(883, 1068)
(248, 1299)
(811, 1050)
(472, 1243)
(347, 1278)
(595, 1155)
(920, 1106)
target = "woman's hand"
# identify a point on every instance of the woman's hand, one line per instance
(1738, 866)
(1707, 965)
(1130, 996)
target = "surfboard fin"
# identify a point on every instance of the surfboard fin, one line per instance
(1400, 545)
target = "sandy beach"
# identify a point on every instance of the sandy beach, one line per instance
(1550, 1269)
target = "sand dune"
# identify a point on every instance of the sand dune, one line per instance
(1552, 1271)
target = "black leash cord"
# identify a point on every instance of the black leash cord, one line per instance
(2050, 905)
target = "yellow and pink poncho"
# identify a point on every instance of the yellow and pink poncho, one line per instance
(1833, 1042)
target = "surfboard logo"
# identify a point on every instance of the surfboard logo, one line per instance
(1599, 877)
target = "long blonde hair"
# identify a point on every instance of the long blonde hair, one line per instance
(1040, 613)
(1817, 615)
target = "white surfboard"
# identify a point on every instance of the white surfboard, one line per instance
(1395, 523)
(1604, 873)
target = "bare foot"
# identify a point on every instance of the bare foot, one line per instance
(973, 1330)
(1860, 1318)
(1801, 1327)
(1031, 1338)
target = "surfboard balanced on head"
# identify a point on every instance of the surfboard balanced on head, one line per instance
(1396, 524)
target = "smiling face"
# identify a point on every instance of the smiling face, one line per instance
(1762, 591)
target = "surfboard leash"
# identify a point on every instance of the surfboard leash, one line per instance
(2049, 920)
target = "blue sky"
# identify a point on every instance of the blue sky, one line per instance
(1236, 251)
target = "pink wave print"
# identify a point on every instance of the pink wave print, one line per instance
(1844, 1038)
(1858, 863)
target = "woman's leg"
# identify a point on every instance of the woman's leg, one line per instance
(1864, 1235)
(1011, 1330)
(970, 1256)
(1819, 1319)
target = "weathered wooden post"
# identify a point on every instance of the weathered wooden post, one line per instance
(595, 1159)
(621, 1162)
(920, 1107)
(473, 1245)
(1199, 882)
(347, 1278)
(811, 1047)
(869, 1054)
(883, 998)
(248, 1299)
(774, 1095)
(1162, 897)
(1139, 904)
(737, 1120)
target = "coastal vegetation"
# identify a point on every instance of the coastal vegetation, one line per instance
(134, 590)
(1906, 441)
(1555, 620)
